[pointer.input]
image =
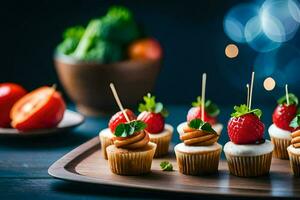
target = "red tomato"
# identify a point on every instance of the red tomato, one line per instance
(9, 94)
(41, 108)
(145, 49)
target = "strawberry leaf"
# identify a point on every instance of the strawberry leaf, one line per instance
(243, 110)
(293, 99)
(151, 105)
(295, 123)
(129, 128)
(210, 107)
(200, 125)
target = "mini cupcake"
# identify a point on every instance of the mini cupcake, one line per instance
(247, 154)
(153, 114)
(199, 153)
(211, 112)
(106, 134)
(132, 152)
(294, 152)
(280, 131)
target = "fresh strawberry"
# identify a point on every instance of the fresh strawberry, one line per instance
(245, 127)
(195, 113)
(284, 113)
(211, 111)
(118, 118)
(155, 121)
(153, 114)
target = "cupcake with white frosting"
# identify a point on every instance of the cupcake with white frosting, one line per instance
(199, 153)
(247, 154)
(294, 153)
(153, 114)
(282, 127)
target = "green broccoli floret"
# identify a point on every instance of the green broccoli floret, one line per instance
(71, 39)
(119, 26)
(89, 38)
(104, 52)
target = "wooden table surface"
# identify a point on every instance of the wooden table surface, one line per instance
(24, 163)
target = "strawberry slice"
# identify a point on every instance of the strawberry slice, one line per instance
(245, 127)
(153, 114)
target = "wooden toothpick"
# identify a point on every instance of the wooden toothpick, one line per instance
(251, 91)
(203, 95)
(287, 94)
(248, 91)
(114, 91)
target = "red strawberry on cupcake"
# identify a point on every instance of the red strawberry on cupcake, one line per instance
(284, 113)
(119, 118)
(211, 111)
(153, 114)
(285, 121)
(244, 126)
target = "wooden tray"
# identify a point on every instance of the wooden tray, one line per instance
(85, 164)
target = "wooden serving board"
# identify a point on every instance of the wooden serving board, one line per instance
(85, 164)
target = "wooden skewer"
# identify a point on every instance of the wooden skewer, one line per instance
(287, 94)
(251, 91)
(203, 95)
(114, 91)
(248, 91)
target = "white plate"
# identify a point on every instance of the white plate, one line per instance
(70, 120)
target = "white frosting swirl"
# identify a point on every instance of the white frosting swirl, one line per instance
(276, 132)
(248, 149)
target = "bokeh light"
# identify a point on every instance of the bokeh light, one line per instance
(282, 64)
(236, 20)
(269, 84)
(280, 19)
(231, 51)
(256, 38)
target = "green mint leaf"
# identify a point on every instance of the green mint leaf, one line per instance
(129, 128)
(196, 123)
(207, 127)
(293, 99)
(295, 123)
(210, 107)
(200, 125)
(243, 110)
(166, 166)
(151, 105)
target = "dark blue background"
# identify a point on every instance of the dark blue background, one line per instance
(191, 33)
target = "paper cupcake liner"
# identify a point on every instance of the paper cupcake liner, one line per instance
(127, 162)
(198, 163)
(105, 142)
(280, 146)
(295, 163)
(249, 166)
(162, 143)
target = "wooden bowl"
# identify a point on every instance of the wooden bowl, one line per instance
(87, 83)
